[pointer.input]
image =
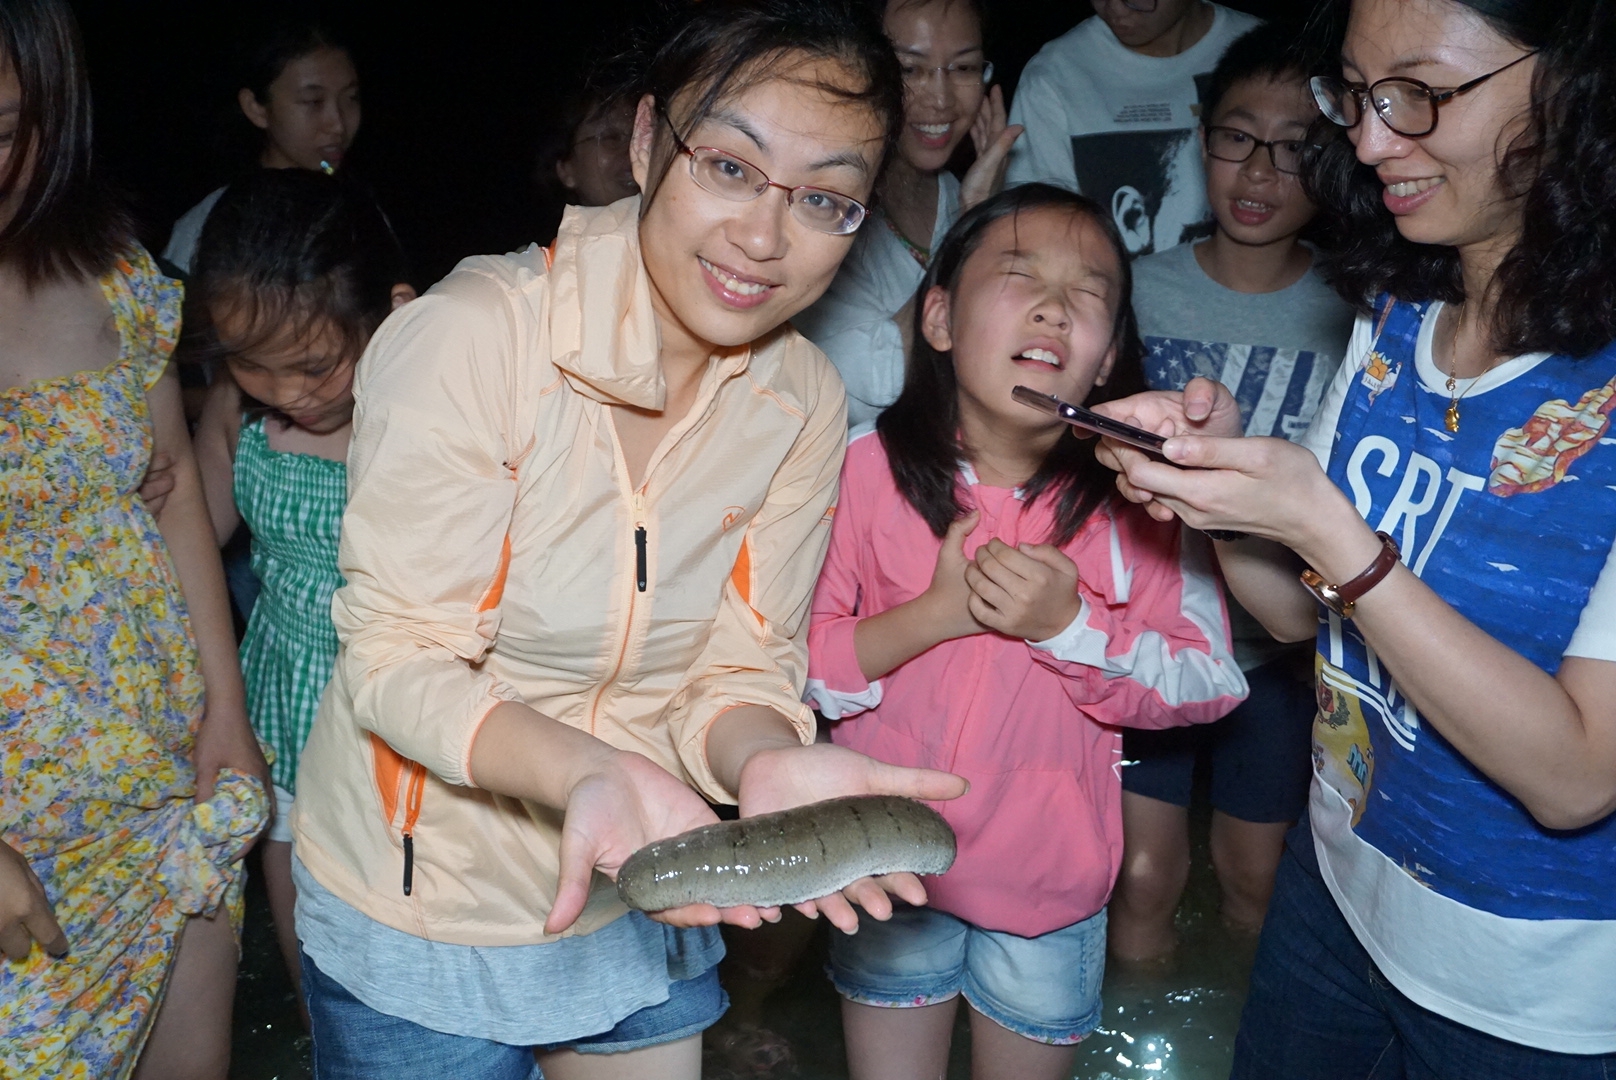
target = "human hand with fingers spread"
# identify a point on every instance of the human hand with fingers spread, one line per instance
(993, 137)
(1028, 591)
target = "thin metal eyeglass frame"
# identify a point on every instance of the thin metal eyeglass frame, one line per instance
(923, 74)
(1363, 96)
(1268, 144)
(864, 211)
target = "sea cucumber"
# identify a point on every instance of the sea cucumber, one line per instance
(789, 856)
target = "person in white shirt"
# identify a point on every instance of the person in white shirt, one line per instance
(863, 322)
(300, 88)
(1111, 107)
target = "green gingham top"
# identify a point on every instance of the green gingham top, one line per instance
(293, 504)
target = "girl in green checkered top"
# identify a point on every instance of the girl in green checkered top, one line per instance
(293, 274)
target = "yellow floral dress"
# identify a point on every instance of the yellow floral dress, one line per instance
(100, 697)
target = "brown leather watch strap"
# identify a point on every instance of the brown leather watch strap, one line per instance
(1342, 598)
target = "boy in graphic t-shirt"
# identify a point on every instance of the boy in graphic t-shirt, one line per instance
(1111, 107)
(1247, 308)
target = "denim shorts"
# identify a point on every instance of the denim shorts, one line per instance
(352, 1041)
(1044, 988)
(1261, 753)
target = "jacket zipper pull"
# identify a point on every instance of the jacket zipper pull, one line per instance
(639, 541)
(639, 556)
(409, 863)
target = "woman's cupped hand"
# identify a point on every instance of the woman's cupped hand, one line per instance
(628, 801)
(787, 777)
(1214, 478)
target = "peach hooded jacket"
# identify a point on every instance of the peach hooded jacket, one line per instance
(493, 551)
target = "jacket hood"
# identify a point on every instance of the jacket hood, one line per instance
(602, 324)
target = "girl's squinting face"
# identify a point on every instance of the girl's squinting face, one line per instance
(1254, 202)
(312, 114)
(1035, 305)
(307, 379)
(939, 108)
(1444, 187)
(725, 273)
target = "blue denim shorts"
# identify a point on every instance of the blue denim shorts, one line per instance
(1044, 988)
(352, 1041)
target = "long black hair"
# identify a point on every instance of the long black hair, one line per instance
(920, 431)
(66, 223)
(720, 47)
(293, 250)
(1556, 289)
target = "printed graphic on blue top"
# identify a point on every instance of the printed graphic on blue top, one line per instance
(1510, 519)
(1278, 390)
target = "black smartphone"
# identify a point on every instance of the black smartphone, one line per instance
(1091, 421)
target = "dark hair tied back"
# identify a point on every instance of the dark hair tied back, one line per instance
(720, 47)
(1556, 288)
(292, 252)
(920, 431)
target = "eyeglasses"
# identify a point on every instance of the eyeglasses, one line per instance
(1407, 106)
(1232, 144)
(729, 177)
(963, 74)
(1140, 5)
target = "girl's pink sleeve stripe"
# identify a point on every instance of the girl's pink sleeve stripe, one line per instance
(1163, 647)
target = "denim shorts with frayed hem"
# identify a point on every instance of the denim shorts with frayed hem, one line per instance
(352, 1041)
(1044, 988)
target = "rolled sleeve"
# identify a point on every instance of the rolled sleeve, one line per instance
(757, 653)
(836, 684)
(424, 540)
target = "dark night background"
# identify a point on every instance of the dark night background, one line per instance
(455, 96)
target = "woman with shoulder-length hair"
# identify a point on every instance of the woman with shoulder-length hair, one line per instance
(590, 489)
(126, 798)
(1446, 533)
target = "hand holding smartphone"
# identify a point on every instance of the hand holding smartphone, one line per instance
(1094, 423)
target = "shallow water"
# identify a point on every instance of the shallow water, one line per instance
(1174, 1021)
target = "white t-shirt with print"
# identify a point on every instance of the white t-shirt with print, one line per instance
(1120, 127)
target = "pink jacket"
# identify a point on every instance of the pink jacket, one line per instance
(1030, 724)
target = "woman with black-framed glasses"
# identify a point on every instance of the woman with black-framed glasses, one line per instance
(1449, 910)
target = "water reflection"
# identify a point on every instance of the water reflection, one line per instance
(1171, 1021)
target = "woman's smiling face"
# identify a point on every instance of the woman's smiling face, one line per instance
(1444, 187)
(725, 273)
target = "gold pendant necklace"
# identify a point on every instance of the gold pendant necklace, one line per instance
(1451, 419)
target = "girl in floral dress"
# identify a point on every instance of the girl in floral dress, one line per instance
(127, 798)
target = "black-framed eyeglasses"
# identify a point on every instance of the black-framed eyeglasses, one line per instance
(1407, 106)
(729, 177)
(1232, 144)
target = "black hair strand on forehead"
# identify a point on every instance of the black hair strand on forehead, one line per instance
(920, 431)
(717, 48)
(65, 223)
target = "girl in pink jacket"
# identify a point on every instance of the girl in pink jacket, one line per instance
(987, 608)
